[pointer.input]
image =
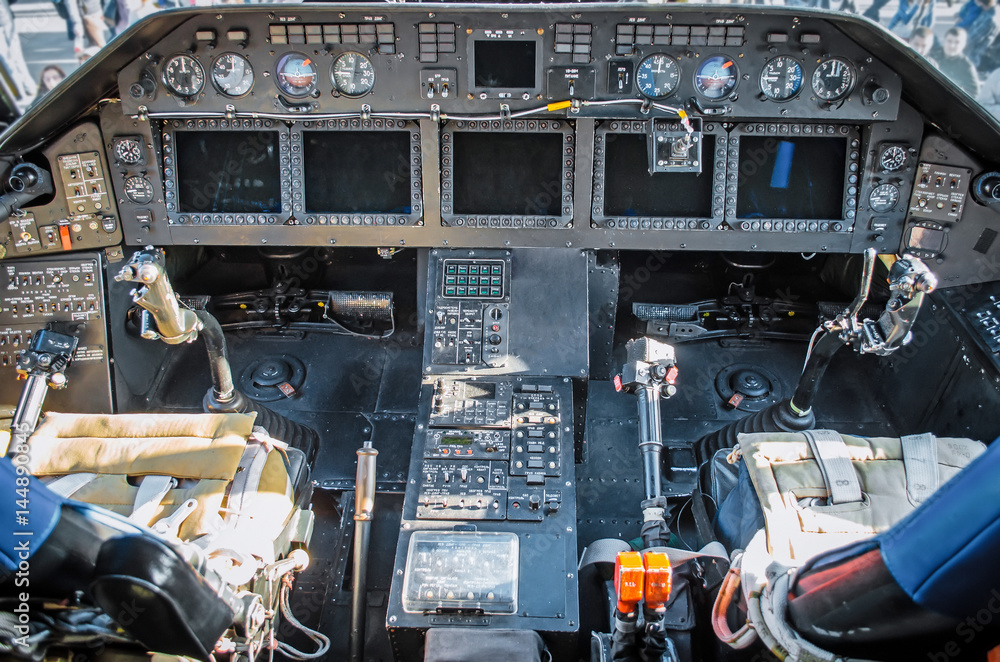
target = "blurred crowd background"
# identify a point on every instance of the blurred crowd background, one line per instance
(43, 41)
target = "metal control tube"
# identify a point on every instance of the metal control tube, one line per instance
(650, 438)
(364, 507)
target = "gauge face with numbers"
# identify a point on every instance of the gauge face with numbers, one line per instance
(232, 74)
(833, 79)
(139, 190)
(658, 76)
(781, 78)
(183, 75)
(892, 158)
(353, 74)
(883, 198)
(128, 150)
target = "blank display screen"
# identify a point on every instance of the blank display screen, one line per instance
(801, 178)
(505, 64)
(508, 173)
(632, 191)
(228, 171)
(357, 171)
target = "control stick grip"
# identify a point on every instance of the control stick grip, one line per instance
(175, 325)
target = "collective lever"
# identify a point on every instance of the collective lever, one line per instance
(650, 372)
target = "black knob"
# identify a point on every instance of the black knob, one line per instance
(534, 501)
(494, 339)
(496, 313)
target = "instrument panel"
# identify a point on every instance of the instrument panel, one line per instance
(731, 130)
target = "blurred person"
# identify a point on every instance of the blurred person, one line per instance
(989, 94)
(50, 77)
(922, 41)
(919, 12)
(955, 65)
(978, 19)
(873, 10)
(12, 56)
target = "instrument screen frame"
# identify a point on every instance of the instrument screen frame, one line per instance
(852, 177)
(715, 161)
(449, 218)
(172, 177)
(341, 217)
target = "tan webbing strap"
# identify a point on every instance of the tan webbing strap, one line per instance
(920, 462)
(152, 491)
(68, 485)
(834, 462)
(247, 480)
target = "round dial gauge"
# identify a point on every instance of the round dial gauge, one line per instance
(883, 198)
(716, 77)
(658, 76)
(353, 74)
(892, 158)
(128, 150)
(138, 189)
(183, 75)
(232, 74)
(833, 79)
(296, 74)
(781, 78)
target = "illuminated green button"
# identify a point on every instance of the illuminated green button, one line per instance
(449, 291)
(461, 291)
(463, 280)
(449, 280)
(452, 269)
(474, 269)
(494, 291)
(498, 269)
(463, 268)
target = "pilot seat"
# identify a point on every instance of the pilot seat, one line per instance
(169, 533)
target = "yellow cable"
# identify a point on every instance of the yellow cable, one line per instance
(559, 105)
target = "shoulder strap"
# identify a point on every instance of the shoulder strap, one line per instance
(834, 460)
(920, 462)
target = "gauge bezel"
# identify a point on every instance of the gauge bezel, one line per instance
(170, 88)
(333, 78)
(899, 195)
(850, 88)
(118, 140)
(669, 58)
(149, 184)
(889, 146)
(802, 82)
(703, 63)
(313, 87)
(253, 75)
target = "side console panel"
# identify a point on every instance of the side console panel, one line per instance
(67, 290)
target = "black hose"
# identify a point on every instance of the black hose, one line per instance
(819, 361)
(218, 360)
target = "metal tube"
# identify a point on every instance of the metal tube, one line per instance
(650, 439)
(29, 408)
(866, 284)
(364, 506)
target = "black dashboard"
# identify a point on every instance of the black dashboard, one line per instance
(675, 128)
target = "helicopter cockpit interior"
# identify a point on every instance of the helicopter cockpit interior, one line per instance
(457, 332)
